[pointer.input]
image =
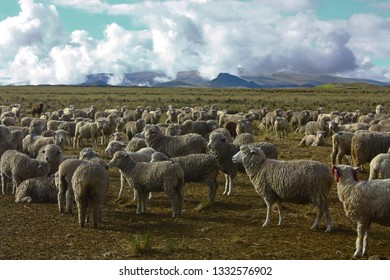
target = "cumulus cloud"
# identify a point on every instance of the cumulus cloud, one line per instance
(255, 37)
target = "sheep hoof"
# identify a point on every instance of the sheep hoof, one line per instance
(329, 229)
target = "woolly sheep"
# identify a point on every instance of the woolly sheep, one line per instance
(243, 138)
(197, 168)
(17, 167)
(86, 130)
(365, 202)
(366, 145)
(244, 126)
(380, 167)
(146, 177)
(33, 143)
(90, 183)
(38, 189)
(135, 144)
(203, 128)
(60, 137)
(174, 145)
(224, 151)
(281, 127)
(341, 146)
(52, 154)
(313, 140)
(37, 126)
(296, 181)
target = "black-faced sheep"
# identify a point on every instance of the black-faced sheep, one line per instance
(296, 181)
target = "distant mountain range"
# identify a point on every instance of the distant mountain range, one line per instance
(223, 80)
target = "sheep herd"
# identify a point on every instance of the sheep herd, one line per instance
(194, 145)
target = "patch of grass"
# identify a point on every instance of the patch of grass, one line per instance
(140, 245)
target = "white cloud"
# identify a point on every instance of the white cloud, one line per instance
(258, 36)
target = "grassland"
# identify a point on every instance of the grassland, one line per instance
(228, 229)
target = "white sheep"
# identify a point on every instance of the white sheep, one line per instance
(313, 140)
(296, 181)
(341, 146)
(38, 189)
(365, 202)
(281, 128)
(18, 167)
(90, 183)
(146, 177)
(380, 167)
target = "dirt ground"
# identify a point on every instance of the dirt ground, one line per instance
(231, 228)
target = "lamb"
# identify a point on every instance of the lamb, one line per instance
(38, 189)
(197, 168)
(174, 145)
(52, 154)
(17, 167)
(313, 140)
(9, 140)
(366, 145)
(365, 202)
(90, 183)
(146, 177)
(296, 181)
(219, 146)
(341, 146)
(380, 167)
(281, 128)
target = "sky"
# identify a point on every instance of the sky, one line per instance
(62, 41)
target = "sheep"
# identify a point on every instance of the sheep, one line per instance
(52, 154)
(33, 143)
(203, 128)
(243, 138)
(107, 127)
(244, 126)
(174, 145)
(152, 117)
(281, 128)
(146, 177)
(313, 140)
(60, 137)
(9, 140)
(90, 183)
(86, 130)
(270, 118)
(37, 126)
(313, 126)
(17, 167)
(133, 115)
(379, 128)
(135, 144)
(341, 146)
(38, 189)
(353, 127)
(366, 145)
(37, 109)
(223, 150)
(296, 181)
(380, 167)
(197, 168)
(134, 127)
(365, 202)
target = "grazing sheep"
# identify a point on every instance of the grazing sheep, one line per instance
(17, 167)
(219, 146)
(197, 168)
(365, 202)
(52, 154)
(366, 145)
(296, 181)
(146, 177)
(380, 167)
(38, 189)
(174, 145)
(341, 146)
(281, 128)
(313, 140)
(90, 183)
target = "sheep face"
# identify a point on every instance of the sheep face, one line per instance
(216, 139)
(152, 132)
(88, 153)
(122, 160)
(247, 154)
(113, 147)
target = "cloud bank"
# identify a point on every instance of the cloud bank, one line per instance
(257, 37)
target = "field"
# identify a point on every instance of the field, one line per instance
(228, 229)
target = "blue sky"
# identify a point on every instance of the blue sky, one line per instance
(61, 41)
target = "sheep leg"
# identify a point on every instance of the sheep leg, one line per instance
(82, 205)
(95, 213)
(61, 200)
(213, 185)
(175, 201)
(281, 215)
(139, 201)
(4, 182)
(365, 241)
(227, 179)
(268, 217)
(15, 183)
(122, 185)
(69, 199)
(361, 234)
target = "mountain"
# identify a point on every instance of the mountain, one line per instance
(223, 80)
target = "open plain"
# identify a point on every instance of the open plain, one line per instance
(231, 228)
